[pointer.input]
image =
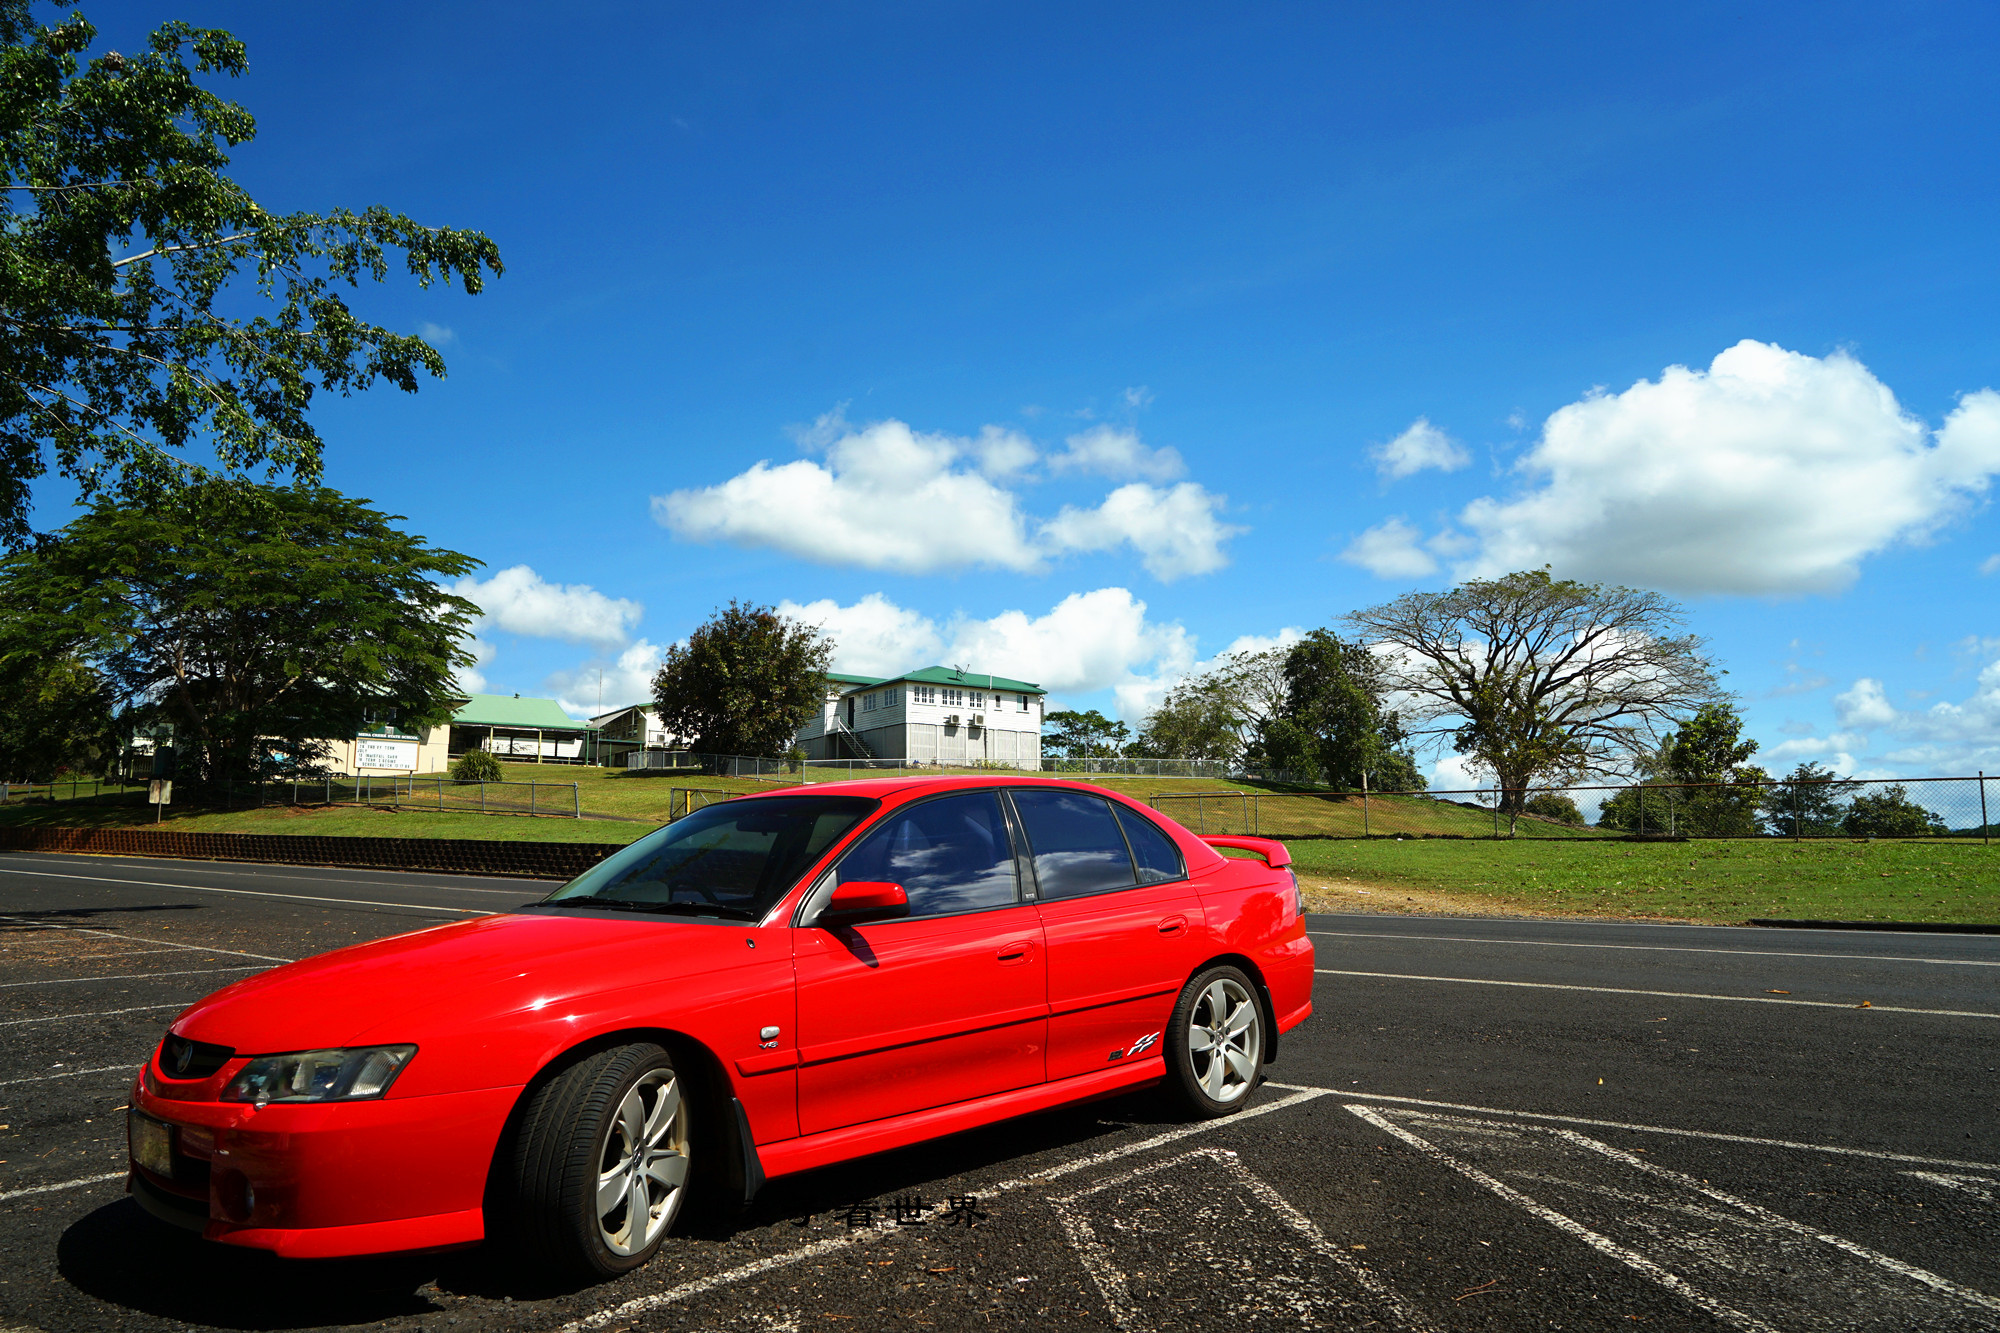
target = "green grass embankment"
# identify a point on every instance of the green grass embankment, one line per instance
(1721, 881)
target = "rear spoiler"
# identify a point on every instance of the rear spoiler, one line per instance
(1275, 854)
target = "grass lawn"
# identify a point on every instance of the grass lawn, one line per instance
(1829, 879)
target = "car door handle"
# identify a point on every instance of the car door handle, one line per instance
(1173, 925)
(1014, 953)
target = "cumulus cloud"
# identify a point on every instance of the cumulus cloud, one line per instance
(1392, 549)
(892, 498)
(520, 601)
(1139, 696)
(619, 681)
(1421, 446)
(1864, 707)
(1990, 565)
(872, 637)
(1769, 472)
(1117, 453)
(1176, 531)
(470, 678)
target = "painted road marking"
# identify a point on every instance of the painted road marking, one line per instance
(864, 1235)
(141, 939)
(100, 1013)
(400, 878)
(128, 976)
(73, 1073)
(1751, 1268)
(1661, 948)
(1661, 994)
(1979, 1187)
(247, 893)
(62, 1185)
(1256, 1261)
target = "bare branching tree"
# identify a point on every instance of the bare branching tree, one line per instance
(1542, 681)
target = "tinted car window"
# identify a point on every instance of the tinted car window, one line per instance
(1078, 848)
(1155, 852)
(738, 857)
(950, 855)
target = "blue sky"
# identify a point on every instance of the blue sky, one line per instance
(1083, 342)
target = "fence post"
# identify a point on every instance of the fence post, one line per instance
(482, 796)
(1985, 829)
(575, 801)
(531, 796)
(1640, 792)
(1496, 812)
(1797, 821)
(1364, 802)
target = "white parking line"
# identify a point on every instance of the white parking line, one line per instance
(101, 1013)
(1746, 1139)
(128, 976)
(73, 1073)
(400, 881)
(1979, 1187)
(141, 939)
(1665, 1221)
(1271, 1288)
(247, 893)
(860, 1236)
(1662, 994)
(62, 1185)
(1661, 948)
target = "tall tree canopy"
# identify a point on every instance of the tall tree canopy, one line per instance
(1215, 714)
(127, 255)
(1542, 681)
(1711, 788)
(745, 682)
(57, 718)
(257, 620)
(1070, 734)
(1333, 724)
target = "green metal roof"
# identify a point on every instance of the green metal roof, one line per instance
(500, 710)
(842, 678)
(972, 680)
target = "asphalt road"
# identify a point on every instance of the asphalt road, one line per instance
(1486, 1125)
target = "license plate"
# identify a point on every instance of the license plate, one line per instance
(152, 1144)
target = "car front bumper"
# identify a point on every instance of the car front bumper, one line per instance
(325, 1180)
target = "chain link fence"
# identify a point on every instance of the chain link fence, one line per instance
(66, 789)
(1935, 808)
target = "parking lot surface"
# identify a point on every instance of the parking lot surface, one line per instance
(1486, 1125)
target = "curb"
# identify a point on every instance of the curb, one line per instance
(448, 856)
(1919, 927)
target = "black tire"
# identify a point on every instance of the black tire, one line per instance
(570, 1131)
(1193, 1081)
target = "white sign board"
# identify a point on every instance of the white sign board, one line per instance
(160, 791)
(372, 753)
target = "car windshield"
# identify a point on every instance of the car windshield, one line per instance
(734, 860)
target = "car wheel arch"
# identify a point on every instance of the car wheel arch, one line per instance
(726, 1174)
(1256, 975)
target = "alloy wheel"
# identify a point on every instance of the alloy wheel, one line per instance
(644, 1165)
(1225, 1039)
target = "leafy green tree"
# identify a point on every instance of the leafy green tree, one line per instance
(745, 682)
(1332, 724)
(57, 718)
(131, 267)
(1197, 720)
(1069, 734)
(1542, 681)
(1889, 813)
(1808, 802)
(480, 765)
(258, 620)
(1706, 787)
(1554, 805)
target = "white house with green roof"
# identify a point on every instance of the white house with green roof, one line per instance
(938, 715)
(517, 728)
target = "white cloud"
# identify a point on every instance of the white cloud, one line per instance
(470, 678)
(1176, 531)
(1769, 472)
(520, 601)
(1392, 549)
(874, 636)
(1117, 453)
(892, 498)
(1138, 397)
(1421, 446)
(620, 681)
(1990, 565)
(1864, 707)
(437, 335)
(1138, 697)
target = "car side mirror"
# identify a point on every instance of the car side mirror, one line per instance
(864, 900)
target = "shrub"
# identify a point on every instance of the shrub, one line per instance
(1552, 805)
(477, 766)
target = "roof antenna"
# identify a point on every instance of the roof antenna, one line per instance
(958, 669)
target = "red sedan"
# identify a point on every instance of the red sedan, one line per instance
(768, 985)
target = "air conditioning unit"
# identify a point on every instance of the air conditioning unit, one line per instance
(979, 719)
(951, 719)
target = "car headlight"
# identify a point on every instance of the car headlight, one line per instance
(348, 1075)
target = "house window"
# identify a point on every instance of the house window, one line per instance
(867, 703)
(1024, 703)
(923, 694)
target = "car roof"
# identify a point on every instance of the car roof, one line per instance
(887, 787)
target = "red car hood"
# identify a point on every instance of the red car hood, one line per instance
(492, 965)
